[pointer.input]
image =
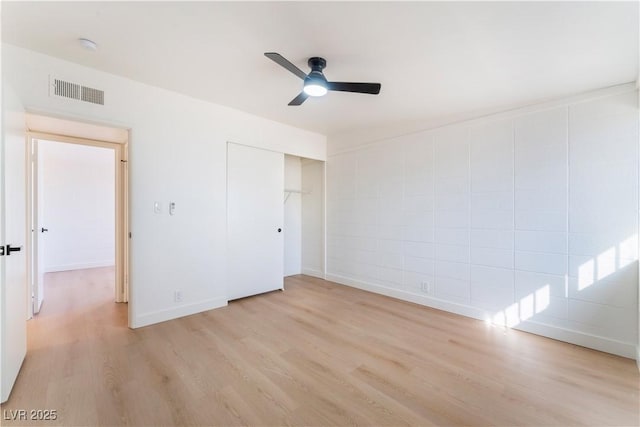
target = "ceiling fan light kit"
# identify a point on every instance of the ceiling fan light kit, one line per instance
(315, 89)
(315, 84)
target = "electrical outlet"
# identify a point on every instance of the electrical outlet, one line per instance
(177, 296)
(425, 286)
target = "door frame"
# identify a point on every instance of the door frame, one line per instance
(121, 213)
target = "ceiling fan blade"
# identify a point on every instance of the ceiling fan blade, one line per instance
(371, 88)
(299, 99)
(280, 60)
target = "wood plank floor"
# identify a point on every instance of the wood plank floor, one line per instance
(315, 354)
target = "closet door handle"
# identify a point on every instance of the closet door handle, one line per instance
(279, 230)
(42, 230)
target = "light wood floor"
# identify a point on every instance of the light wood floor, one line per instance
(316, 354)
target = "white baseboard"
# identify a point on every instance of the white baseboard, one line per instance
(147, 319)
(79, 266)
(638, 356)
(567, 335)
(428, 301)
(312, 272)
(595, 342)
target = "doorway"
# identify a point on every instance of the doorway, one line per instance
(74, 211)
(77, 210)
(303, 216)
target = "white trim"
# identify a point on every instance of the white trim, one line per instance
(154, 317)
(579, 338)
(67, 267)
(382, 136)
(567, 335)
(425, 300)
(638, 356)
(324, 217)
(313, 273)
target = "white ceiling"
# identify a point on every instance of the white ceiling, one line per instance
(434, 60)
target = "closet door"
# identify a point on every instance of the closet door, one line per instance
(255, 214)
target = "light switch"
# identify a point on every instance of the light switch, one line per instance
(172, 208)
(157, 207)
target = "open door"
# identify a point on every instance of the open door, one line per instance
(38, 230)
(13, 239)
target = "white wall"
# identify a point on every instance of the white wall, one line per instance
(313, 218)
(292, 216)
(78, 205)
(527, 218)
(177, 153)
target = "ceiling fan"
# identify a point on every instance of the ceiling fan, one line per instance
(315, 84)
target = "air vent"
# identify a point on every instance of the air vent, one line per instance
(92, 95)
(65, 89)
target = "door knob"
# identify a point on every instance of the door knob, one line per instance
(279, 230)
(44, 229)
(14, 249)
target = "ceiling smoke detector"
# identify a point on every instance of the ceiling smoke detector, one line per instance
(88, 44)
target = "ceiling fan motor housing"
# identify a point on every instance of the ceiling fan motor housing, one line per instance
(317, 64)
(316, 76)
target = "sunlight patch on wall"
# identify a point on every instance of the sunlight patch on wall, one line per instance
(534, 303)
(543, 298)
(586, 274)
(608, 262)
(591, 272)
(628, 250)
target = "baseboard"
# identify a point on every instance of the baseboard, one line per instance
(154, 317)
(550, 331)
(595, 342)
(80, 266)
(312, 272)
(425, 300)
(638, 356)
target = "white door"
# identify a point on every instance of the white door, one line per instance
(255, 213)
(13, 235)
(38, 228)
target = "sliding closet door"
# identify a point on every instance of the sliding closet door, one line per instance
(255, 244)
